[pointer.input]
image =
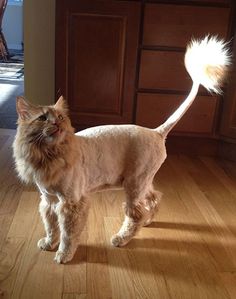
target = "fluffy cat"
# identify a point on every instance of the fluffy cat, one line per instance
(67, 167)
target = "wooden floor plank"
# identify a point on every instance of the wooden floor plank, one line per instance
(74, 296)
(75, 272)
(229, 281)
(221, 240)
(121, 278)
(10, 260)
(229, 167)
(98, 280)
(95, 224)
(10, 187)
(144, 255)
(213, 166)
(38, 274)
(18, 237)
(223, 200)
(97, 260)
(186, 263)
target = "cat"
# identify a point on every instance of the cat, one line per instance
(67, 167)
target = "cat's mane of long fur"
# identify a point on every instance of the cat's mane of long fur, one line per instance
(39, 161)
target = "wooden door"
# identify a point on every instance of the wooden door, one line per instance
(96, 49)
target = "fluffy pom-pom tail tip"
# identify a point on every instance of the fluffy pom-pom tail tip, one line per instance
(207, 62)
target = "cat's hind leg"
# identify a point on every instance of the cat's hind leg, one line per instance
(152, 203)
(49, 218)
(137, 212)
(135, 217)
(141, 205)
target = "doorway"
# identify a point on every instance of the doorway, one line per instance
(11, 62)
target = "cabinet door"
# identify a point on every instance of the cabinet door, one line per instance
(96, 49)
(228, 121)
(228, 125)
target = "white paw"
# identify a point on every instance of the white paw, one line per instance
(63, 257)
(117, 241)
(44, 244)
(147, 222)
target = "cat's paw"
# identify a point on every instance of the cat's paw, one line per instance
(118, 241)
(62, 257)
(147, 222)
(44, 244)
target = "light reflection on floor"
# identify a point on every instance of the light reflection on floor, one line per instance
(9, 90)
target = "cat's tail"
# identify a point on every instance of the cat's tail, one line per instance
(207, 62)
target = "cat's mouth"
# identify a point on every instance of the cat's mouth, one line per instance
(55, 131)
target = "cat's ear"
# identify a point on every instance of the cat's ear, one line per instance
(61, 104)
(24, 109)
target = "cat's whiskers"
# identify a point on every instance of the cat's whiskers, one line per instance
(50, 130)
(39, 138)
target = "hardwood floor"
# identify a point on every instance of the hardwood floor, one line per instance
(189, 251)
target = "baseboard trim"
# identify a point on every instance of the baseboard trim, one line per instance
(192, 146)
(227, 150)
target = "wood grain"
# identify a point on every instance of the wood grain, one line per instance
(154, 109)
(74, 296)
(75, 280)
(228, 121)
(163, 70)
(189, 251)
(10, 189)
(182, 22)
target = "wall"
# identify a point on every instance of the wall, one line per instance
(13, 25)
(39, 42)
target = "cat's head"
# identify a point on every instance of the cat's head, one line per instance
(43, 125)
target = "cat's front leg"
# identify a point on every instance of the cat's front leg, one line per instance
(72, 217)
(49, 218)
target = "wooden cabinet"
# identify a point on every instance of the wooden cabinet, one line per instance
(227, 148)
(123, 61)
(163, 80)
(96, 56)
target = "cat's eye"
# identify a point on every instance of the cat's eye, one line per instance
(60, 117)
(42, 117)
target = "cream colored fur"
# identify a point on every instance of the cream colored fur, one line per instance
(68, 167)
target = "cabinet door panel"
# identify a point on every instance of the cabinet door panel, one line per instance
(98, 61)
(175, 25)
(154, 109)
(228, 123)
(163, 70)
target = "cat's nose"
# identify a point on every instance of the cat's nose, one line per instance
(55, 123)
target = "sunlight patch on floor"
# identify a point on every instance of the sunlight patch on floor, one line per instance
(7, 90)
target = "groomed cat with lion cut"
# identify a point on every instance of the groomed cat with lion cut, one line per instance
(68, 167)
